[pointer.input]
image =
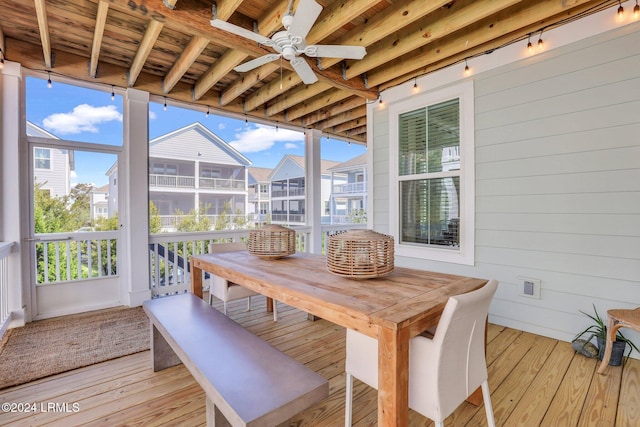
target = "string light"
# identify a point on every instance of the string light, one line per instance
(1, 58)
(620, 11)
(636, 10)
(540, 42)
(164, 107)
(529, 45)
(277, 126)
(49, 84)
(416, 89)
(207, 113)
(467, 70)
(246, 120)
(113, 95)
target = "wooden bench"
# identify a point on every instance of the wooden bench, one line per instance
(247, 381)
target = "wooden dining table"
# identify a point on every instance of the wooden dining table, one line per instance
(392, 308)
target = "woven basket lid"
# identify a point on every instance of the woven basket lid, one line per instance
(360, 254)
(272, 241)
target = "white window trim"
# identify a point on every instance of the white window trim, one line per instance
(35, 159)
(465, 254)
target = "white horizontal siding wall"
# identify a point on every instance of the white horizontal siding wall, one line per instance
(557, 183)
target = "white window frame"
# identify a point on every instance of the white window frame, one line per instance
(35, 158)
(465, 253)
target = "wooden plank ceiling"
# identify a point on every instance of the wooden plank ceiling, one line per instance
(169, 48)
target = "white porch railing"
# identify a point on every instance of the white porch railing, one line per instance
(169, 253)
(173, 221)
(222, 184)
(5, 314)
(172, 181)
(74, 256)
(354, 187)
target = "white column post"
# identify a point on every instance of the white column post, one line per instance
(313, 184)
(14, 221)
(134, 203)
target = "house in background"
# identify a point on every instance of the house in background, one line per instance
(190, 169)
(52, 167)
(288, 190)
(348, 200)
(99, 202)
(259, 208)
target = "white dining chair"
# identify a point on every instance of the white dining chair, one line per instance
(443, 370)
(228, 291)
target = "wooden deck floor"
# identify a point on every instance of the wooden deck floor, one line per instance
(534, 381)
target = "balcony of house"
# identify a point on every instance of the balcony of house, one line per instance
(350, 188)
(181, 175)
(294, 187)
(222, 177)
(167, 174)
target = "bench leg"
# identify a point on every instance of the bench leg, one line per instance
(162, 355)
(214, 416)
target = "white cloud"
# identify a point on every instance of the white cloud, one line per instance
(290, 146)
(152, 115)
(222, 126)
(262, 138)
(83, 118)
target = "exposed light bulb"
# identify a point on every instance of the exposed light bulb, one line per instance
(416, 89)
(636, 10)
(529, 46)
(164, 107)
(467, 70)
(207, 113)
(49, 84)
(113, 95)
(620, 11)
(540, 43)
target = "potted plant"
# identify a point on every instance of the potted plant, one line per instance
(598, 330)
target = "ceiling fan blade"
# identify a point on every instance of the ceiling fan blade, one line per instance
(255, 63)
(242, 32)
(304, 70)
(304, 18)
(335, 51)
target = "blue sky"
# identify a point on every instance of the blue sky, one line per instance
(79, 114)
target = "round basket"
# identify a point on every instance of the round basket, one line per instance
(272, 242)
(360, 254)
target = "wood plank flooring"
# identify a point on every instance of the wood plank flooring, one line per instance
(534, 381)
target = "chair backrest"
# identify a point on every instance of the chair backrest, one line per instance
(226, 247)
(460, 339)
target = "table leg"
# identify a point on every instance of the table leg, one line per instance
(196, 281)
(393, 377)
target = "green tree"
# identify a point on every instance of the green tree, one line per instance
(155, 222)
(195, 220)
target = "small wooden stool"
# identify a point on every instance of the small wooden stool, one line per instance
(618, 319)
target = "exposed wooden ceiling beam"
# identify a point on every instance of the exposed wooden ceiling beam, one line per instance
(448, 50)
(294, 96)
(225, 8)
(329, 97)
(329, 111)
(101, 20)
(350, 125)
(340, 118)
(43, 25)
(149, 39)
(436, 26)
(337, 15)
(383, 24)
(186, 59)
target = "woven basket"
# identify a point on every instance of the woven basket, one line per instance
(272, 242)
(360, 254)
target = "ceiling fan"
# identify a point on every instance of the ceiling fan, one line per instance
(290, 43)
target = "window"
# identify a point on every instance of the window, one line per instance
(432, 170)
(42, 158)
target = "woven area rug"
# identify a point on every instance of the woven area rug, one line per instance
(51, 346)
